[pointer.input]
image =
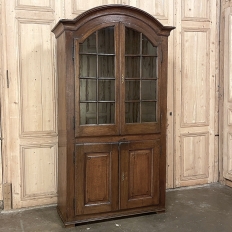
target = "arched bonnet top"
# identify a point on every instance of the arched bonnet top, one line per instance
(111, 10)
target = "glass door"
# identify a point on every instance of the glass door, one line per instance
(140, 82)
(96, 86)
(117, 73)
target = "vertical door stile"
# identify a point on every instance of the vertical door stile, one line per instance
(121, 64)
(117, 39)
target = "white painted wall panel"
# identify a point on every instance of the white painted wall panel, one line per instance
(195, 102)
(198, 9)
(158, 8)
(195, 77)
(80, 5)
(34, 2)
(195, 155)
(37, 78)
(39, 172)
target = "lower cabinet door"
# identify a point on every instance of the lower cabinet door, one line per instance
(96, 178)
(139, 174)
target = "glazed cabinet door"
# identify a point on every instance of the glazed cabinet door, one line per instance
(96, 178)
(117, 78)
(141, 80)
(139, 174)
(96, 75)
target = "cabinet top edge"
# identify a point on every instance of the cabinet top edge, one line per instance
(109, 10)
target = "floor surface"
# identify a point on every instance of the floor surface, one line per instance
(203, 209)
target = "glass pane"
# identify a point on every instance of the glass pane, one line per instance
(106, 66)
(89, 45)
(106, 40)
(106, 90)
(148, 112)
(106, 113)
(88, 113)
(88, 90)
(148, 90)
(148, 48)
(88, 65)
(132, 67)
(132, 112)
(132, 41)
(149, 67)
(132, 90)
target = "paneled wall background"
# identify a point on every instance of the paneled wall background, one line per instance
(195, 94)
(225, 123)
(29, 97)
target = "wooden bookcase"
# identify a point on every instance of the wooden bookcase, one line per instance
(112, 100)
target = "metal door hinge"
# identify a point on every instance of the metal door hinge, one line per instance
(74, 203)
(161, 55)
(73, 123)
(123, 176)
(73, 52)
(7, 80)
(74, 158)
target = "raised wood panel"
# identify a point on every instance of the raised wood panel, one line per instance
(194, 156)
(196, 10)
(229, 154)
(97, 174)
(96, 178)
(229, 117)
(141, 168)
(37, 79)
(80, 6)
(38, 171)
(157, 8)
(195, 86)
(35, 5)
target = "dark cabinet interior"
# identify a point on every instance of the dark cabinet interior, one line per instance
(112, 100)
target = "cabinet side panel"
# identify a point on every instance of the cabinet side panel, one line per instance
(62, 140)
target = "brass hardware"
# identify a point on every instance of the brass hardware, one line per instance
(123, 176)
(122, 78)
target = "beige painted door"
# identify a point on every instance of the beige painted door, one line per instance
(30, 132)
(195, 40)
(226, 104)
